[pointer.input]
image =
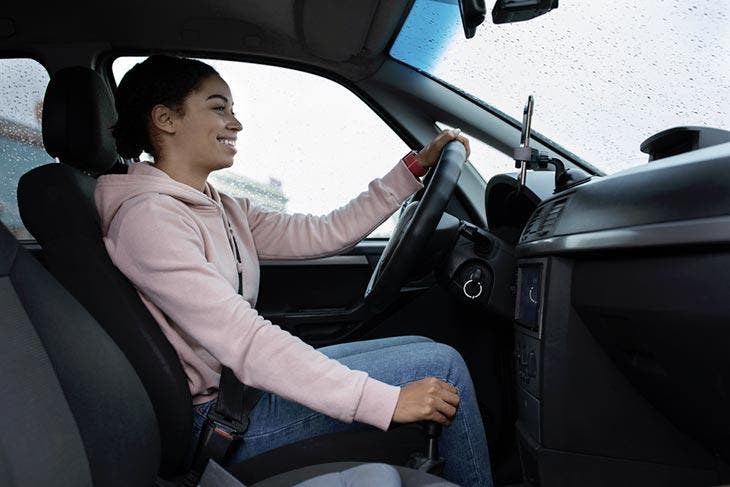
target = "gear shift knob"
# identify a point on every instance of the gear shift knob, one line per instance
(433, 429)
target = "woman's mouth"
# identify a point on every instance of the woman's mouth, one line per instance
(228, 142)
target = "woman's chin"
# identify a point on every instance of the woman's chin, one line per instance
(224, 164)
(229, 163)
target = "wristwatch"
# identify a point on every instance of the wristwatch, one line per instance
(411, 162)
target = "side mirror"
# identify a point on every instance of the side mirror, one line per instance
(508, 11)
(472, 15)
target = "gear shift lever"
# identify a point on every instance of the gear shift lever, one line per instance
(431, 463)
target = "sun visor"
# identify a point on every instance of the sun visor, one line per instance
(335, 30)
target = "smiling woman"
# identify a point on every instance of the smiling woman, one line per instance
(202, 132)
(174, 236)
(131, 130)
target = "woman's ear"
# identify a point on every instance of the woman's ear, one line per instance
(163, 119)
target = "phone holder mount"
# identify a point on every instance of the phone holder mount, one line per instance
(528, 158)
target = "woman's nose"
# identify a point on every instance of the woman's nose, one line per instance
(234, 124)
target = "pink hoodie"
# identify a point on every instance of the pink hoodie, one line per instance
(174, 245)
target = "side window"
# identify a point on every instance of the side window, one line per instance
(308, 145)
(22, 86)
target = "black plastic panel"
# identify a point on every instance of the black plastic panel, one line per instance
(587, 405)
(665, 322)
(553, 468)
(529, 413)
(527, 363)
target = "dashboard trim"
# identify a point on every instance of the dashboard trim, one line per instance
(714, 230)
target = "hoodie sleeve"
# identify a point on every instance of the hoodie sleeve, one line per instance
(284, 236)
(160, 250)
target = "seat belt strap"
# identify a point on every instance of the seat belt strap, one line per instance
(230, 396)
(235, 400)
(226, 424)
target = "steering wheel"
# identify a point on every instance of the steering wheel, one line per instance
(415, 227)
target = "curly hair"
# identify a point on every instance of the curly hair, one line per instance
(160, 79)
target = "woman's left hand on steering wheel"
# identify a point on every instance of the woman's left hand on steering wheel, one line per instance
(430, 154)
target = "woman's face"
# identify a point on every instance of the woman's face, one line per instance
(205, 134)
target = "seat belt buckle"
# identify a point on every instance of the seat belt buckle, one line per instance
(219, 438)
(226, 427)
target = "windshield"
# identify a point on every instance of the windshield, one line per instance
(605, 74)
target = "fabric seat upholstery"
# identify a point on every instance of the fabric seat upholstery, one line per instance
(56, 203)
(75, 413)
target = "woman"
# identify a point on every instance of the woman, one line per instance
(183, 245)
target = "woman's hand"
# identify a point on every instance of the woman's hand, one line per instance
(428, 399)
(429, 155)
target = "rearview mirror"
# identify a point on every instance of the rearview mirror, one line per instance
(508, 11)
(472, 15)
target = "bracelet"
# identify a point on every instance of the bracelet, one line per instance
(411, 162)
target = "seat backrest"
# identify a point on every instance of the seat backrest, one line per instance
(56, 203)
(74, 411)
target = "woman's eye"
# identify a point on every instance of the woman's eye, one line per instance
(219, 108)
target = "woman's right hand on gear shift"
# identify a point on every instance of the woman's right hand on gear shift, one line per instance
(428, 399)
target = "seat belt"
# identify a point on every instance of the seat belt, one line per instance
(226, 424)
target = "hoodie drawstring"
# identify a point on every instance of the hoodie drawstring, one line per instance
(234, 247)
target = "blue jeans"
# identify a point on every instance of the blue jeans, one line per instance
(275, 422)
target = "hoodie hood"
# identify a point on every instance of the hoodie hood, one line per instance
(113, 190)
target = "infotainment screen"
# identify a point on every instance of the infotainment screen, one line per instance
(529, 299)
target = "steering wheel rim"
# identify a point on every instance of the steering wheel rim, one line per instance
(414, 229)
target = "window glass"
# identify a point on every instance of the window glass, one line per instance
(308, 145)
(605, 74)
(22, 86)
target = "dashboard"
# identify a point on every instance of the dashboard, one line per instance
(621, 322)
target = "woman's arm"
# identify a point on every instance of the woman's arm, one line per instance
(283, 236)
(159, 248)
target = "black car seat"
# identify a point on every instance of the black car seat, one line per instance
(74, 411)
(56, 203)
(57, 206)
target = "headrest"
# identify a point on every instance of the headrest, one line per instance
(78, 113)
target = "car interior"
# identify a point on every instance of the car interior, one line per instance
(587, 305)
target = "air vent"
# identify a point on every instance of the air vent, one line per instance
(543, 220)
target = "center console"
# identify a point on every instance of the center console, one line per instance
(527, 354)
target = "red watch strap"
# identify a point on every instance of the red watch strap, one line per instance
(411, 162)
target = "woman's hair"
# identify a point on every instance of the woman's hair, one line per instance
(160, 79)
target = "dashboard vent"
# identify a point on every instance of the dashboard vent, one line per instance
(543, 220)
